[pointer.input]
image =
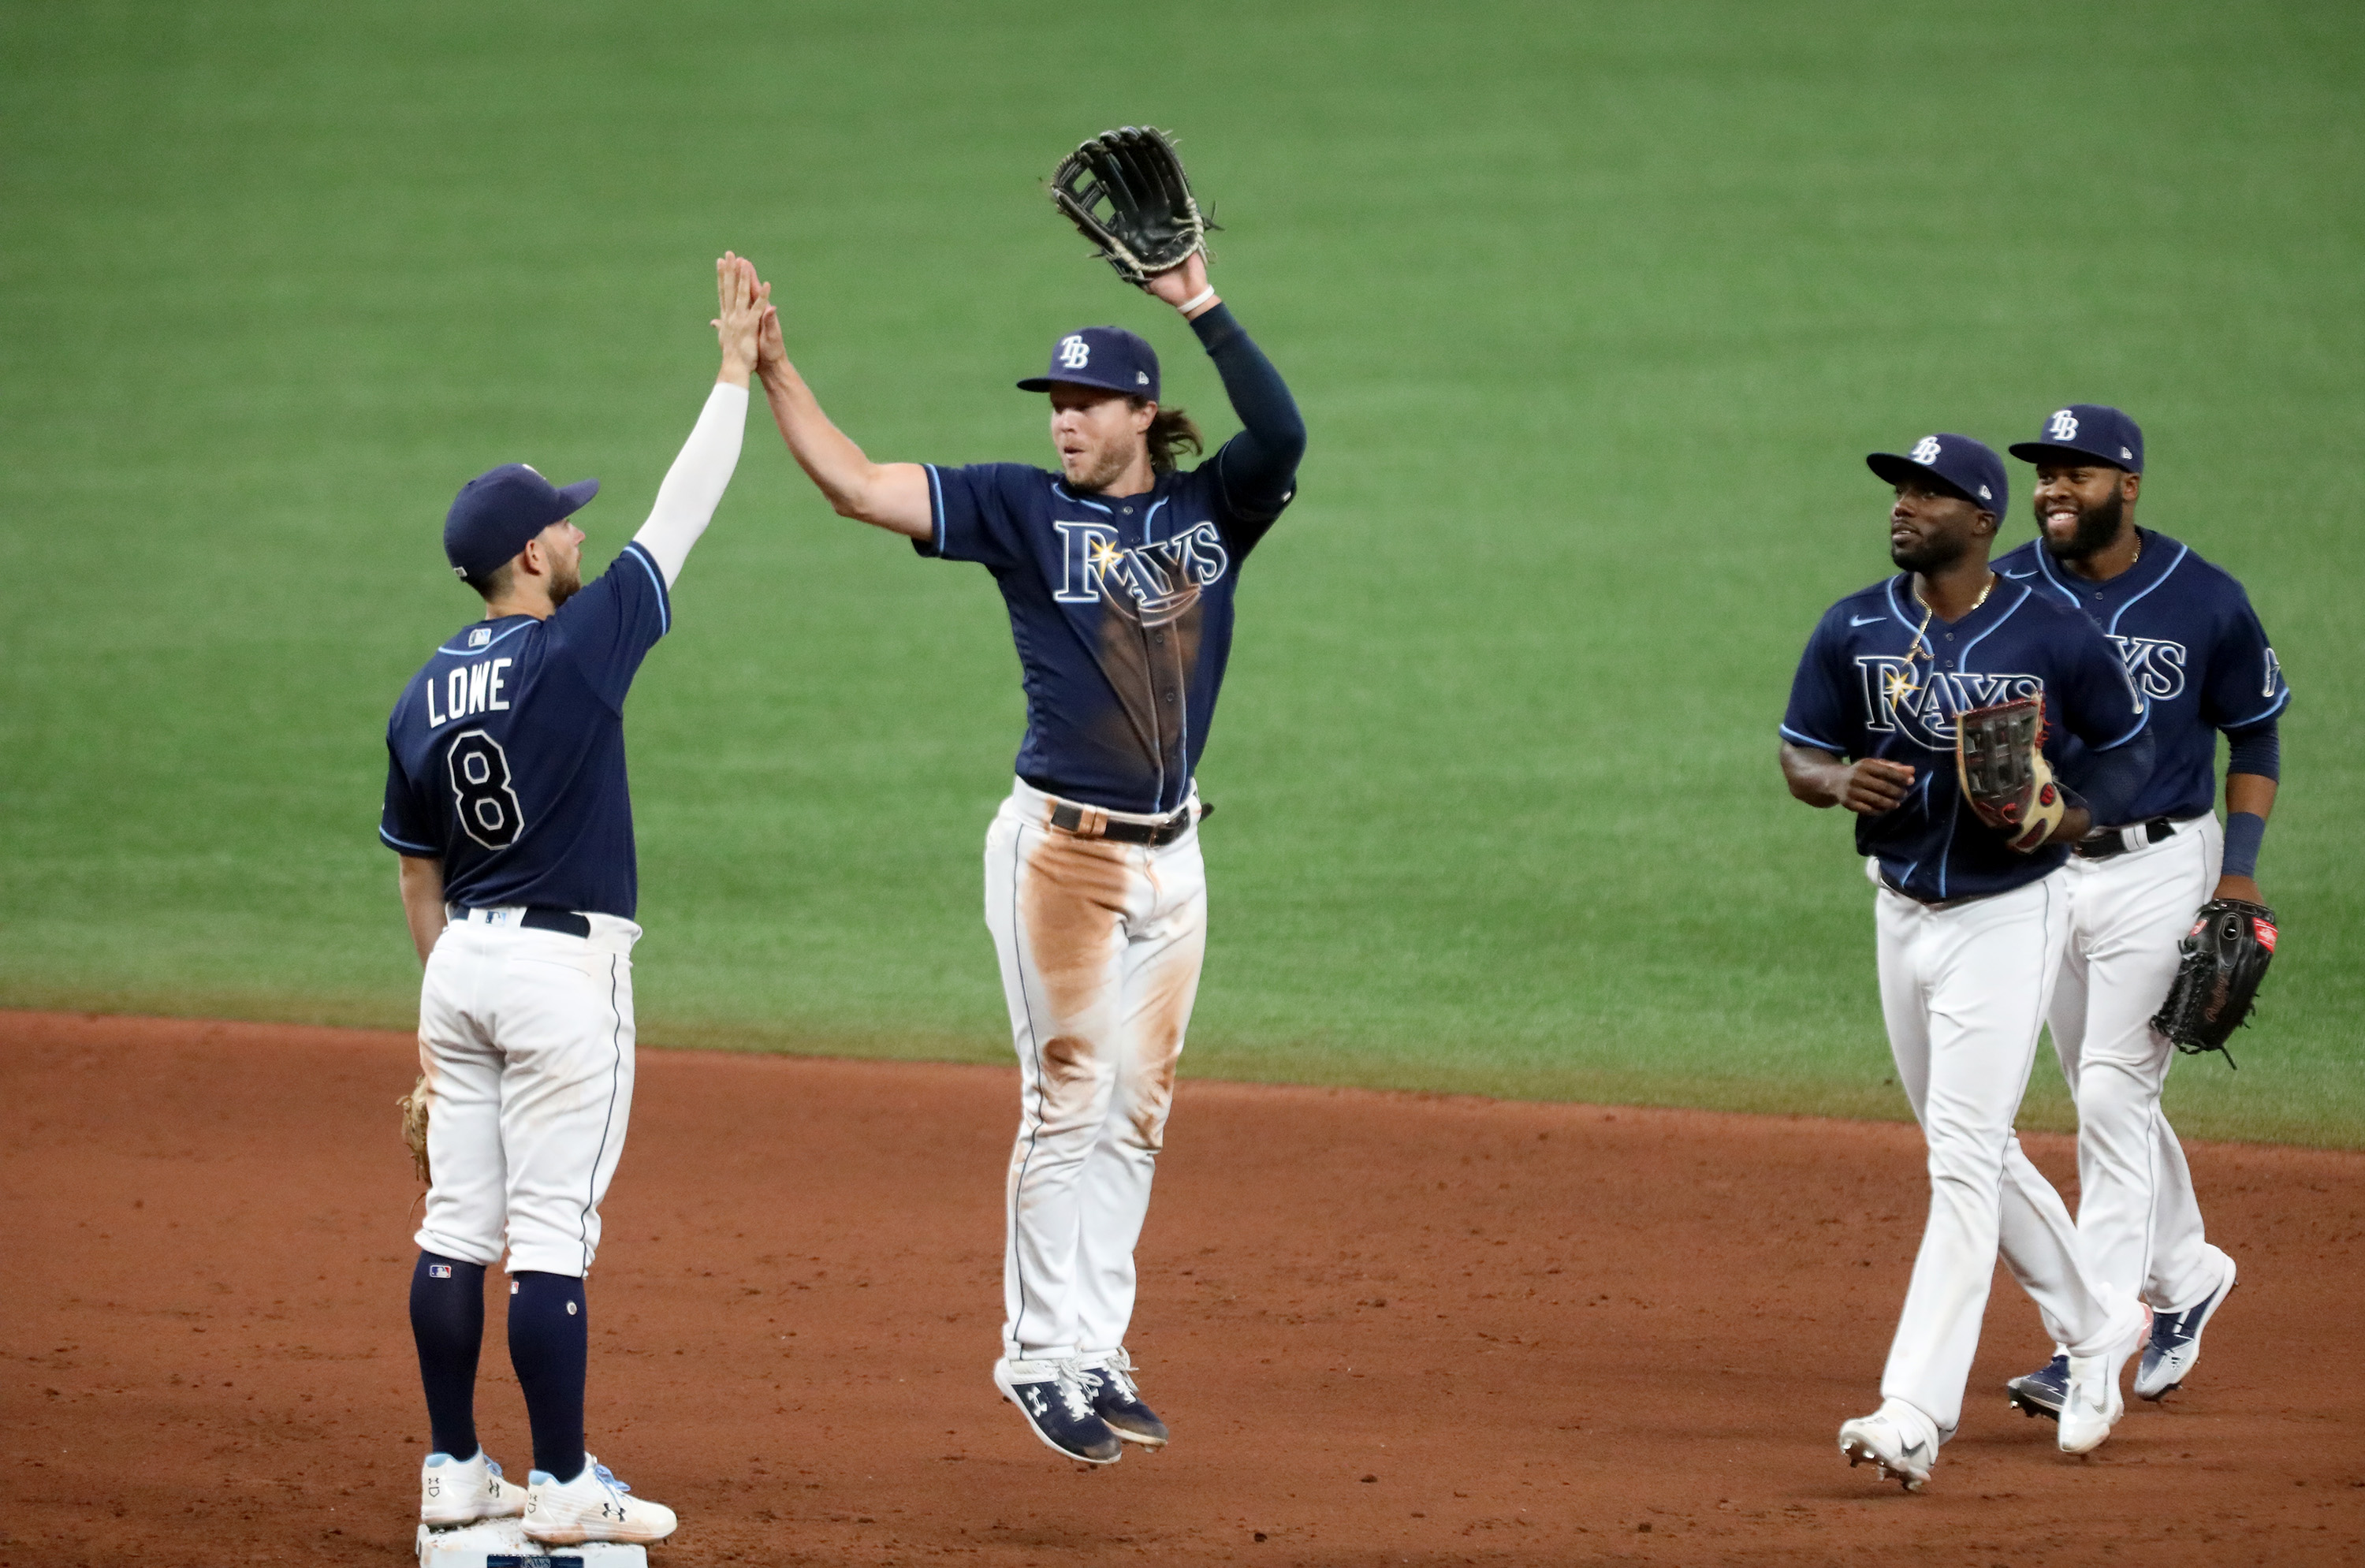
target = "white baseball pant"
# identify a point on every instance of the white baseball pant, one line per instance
(1963, 990)
(1101, 945)
(526, 1039)
(2137, 1211)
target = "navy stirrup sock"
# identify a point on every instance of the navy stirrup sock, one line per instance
(447, 1320)
(549, 1344)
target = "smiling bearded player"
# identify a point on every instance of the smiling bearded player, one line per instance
(1119, 572)
(2192, 641)
(1970, 916)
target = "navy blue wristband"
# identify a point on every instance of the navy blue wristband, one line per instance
(2245, 830)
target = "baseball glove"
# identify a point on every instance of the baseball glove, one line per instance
(2225, 956)
(2005, 778)
(1125, 190)
(413, 1107)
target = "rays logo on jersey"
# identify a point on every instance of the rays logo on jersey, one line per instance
(1922, 703)
(2154, 663)
(1162, 580)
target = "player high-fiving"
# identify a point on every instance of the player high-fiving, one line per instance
(506, 798)
(1118, 571)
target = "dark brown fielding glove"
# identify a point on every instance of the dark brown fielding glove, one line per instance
(2225, 956)
(1125, 190)
(2005, 779)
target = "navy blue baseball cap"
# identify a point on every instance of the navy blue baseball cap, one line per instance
(498, 511)
(1108, 357)
(2093, 432)
(1969, 468)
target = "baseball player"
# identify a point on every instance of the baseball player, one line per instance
(1969, 927)
(2194, 645)
(505, 798)
(1119, 572)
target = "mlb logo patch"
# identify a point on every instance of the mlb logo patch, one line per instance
(480, 636)
(439, 1270)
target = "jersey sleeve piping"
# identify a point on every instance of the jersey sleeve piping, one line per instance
(2281, 701)
(408, 848)
(640, 552)
(935, 511)
(1803, 739)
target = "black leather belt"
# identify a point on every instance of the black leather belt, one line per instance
(1093, 822)
(542, 917)
(2112, 842)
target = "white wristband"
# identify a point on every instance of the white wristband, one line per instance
(1198, 299)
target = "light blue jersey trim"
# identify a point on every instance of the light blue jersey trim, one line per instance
(2181, 552)
(1790, 735)
(1061, 491)
(2044, 570)
(468, 653)
(393, 843)
(1147, 515)
(2279, 704)
(2141, 720)
(935, 509)
(640, 552)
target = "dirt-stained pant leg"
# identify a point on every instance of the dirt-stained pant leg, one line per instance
(2137, 1213)
(1166, 947)
(1056, 905)
(1963, 989)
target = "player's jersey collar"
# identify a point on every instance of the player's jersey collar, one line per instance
(2106, 601)
(480, 636)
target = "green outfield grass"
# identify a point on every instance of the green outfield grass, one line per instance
(1593, 311)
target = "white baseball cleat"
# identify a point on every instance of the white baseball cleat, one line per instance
(1897, 1439)
(462, 1491)
(2094, 1405)
(592, 1506)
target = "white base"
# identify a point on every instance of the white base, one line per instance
(503, 1543)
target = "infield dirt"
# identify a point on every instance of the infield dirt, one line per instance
(1386, 1328)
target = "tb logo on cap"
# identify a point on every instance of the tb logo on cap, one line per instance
(1074, 352)
(2063, 426)
(1926, 450)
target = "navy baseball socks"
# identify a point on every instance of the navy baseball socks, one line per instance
(570, 1497)
(457, 1484)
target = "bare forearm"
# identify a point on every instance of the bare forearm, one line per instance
(892, 496)
(422, 881)
(1815, 776)
(2249, 793)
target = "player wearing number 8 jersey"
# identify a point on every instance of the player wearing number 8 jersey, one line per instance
(506, 798)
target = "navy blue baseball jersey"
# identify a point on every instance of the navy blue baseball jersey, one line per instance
(1867, 686)
(506, 752)
(1122, 611)
(2191, 641)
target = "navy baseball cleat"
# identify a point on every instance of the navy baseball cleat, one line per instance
(1057, 1401)
(2175, 1343)
(2042, 1392)
(1117, 1402)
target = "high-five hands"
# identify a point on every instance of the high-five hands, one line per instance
(741, 300)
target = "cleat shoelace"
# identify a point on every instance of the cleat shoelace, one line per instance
(1075, 1388)
(608, 1477)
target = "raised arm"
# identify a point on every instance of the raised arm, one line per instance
(892, 496)
(1260, 465)
(694, 484)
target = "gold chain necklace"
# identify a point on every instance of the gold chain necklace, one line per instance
(1902, 684)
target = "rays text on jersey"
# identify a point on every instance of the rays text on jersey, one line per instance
(1923, 703)
(1162, 579)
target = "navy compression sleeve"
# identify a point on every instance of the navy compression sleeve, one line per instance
(2113, 777)
(1260, 462)
(2257, 750)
